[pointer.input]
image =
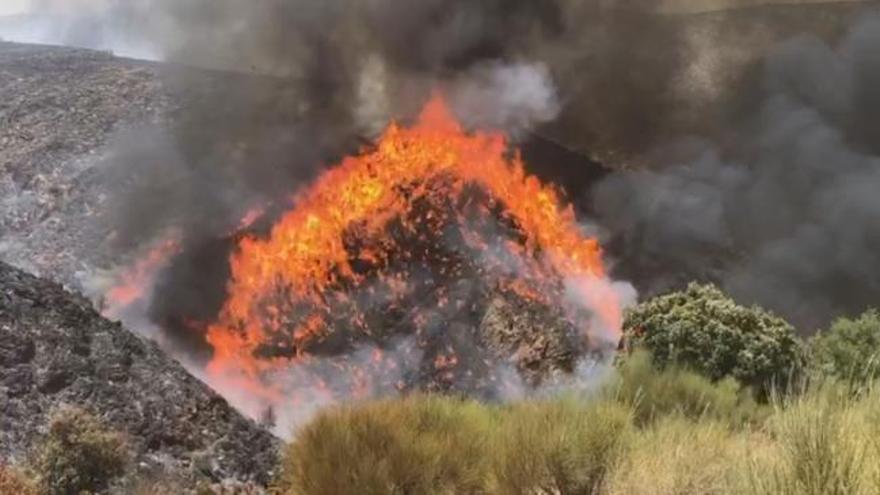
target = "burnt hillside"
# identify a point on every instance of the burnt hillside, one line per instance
(55, 350)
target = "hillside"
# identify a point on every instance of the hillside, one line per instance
(55, 350)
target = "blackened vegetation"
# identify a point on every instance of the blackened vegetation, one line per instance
(55, 350)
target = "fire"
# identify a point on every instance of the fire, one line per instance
(355, 235)
(134, 281)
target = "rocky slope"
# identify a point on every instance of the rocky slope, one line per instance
(56, 350)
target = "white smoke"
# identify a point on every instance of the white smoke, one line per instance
(513, 97)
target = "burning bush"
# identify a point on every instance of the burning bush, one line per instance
(850, 349)
(430, 261)
(702, 329)
(79, 454)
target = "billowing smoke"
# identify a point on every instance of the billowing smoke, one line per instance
(785, 213)
(779, 211)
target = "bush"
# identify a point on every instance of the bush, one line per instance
(442, 445)
(850, 349)
(653, 394)
(702, 329)
(826, 442)
(15, 482)
(676, 456)
(415, 445)
(557, 447)
(79, 454)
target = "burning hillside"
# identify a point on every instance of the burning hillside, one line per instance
(398, 269)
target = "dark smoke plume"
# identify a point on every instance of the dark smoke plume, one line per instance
(296, 84)
(786, 212)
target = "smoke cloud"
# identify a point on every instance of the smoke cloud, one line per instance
(785, 213)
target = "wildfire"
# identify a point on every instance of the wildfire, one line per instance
(134, 281)
(359, 230)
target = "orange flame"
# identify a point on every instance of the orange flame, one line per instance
(306, 255)
(134, 281)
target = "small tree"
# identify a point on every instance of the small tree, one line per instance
(79, 454)
(850, 349)
(702, 329)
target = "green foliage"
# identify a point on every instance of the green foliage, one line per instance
(653, 394)
(702, 329)
(79, 454)
(850, 349)
(563, 446)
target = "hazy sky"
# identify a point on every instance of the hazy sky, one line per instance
(14, 6)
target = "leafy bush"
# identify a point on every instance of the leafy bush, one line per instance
(653, 394)
(79, 454)
(850, 349)
(415, 445)
(702, 329)
(676, 456)
(15, 482)
(561, 446)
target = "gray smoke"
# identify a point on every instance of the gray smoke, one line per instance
(787, 212)
(305, 81)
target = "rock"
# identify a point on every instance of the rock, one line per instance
(56, 350)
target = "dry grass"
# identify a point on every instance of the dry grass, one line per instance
(15, 482)
(417, 445)
(562, 446)
(827, 443)
(657, 433)
(443, 445)
(676, 456)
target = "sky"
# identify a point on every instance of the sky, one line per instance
(9, 7)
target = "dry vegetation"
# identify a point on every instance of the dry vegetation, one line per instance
(678, 424)
(820, 441)
(656, 427)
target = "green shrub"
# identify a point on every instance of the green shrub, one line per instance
(79, 454)
(414, 445)
(14, 482)
(676, 456)
(702, 329)
(653, 394)
(850, 349)
(561, 446)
